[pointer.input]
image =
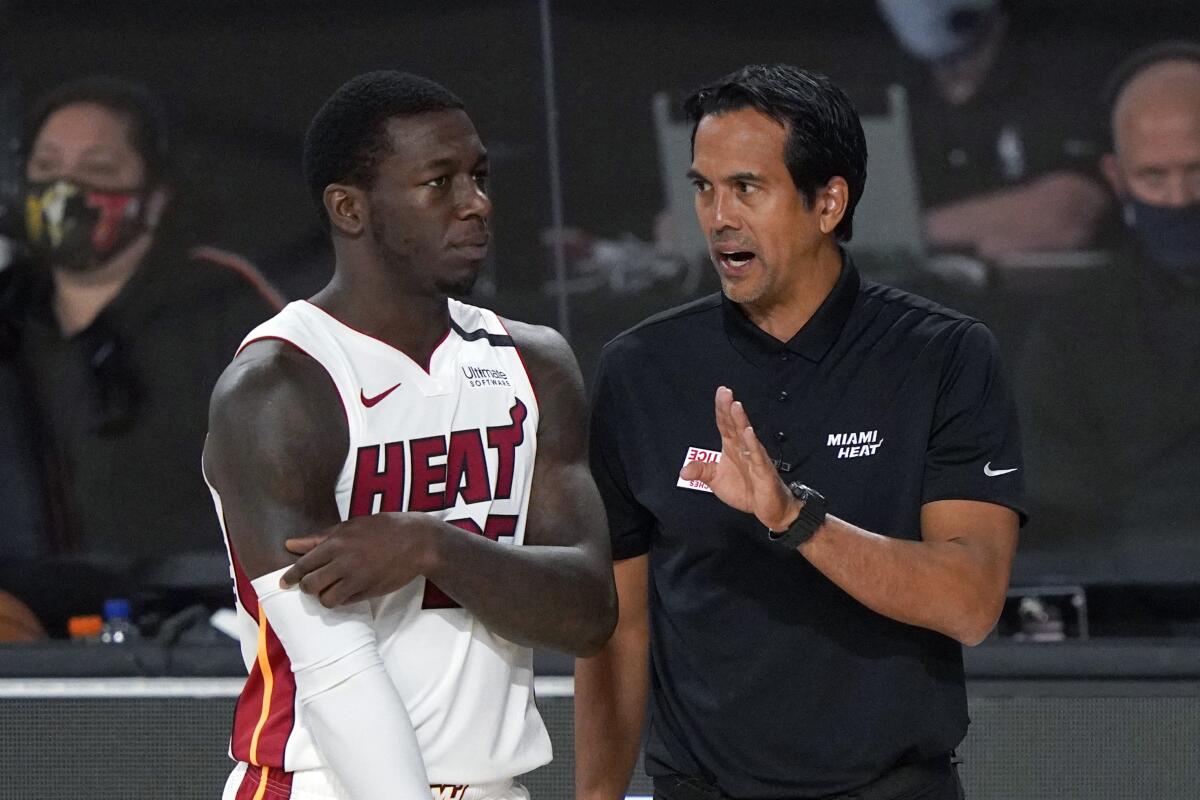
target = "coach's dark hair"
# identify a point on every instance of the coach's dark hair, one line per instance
(131, 101)
(825, 138)
(348, 137)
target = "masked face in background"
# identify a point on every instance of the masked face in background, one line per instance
(1168, 235)
(88, 195)
(1155, 169)
(77, 228)
(937, 30)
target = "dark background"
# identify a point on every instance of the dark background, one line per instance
(242, 80)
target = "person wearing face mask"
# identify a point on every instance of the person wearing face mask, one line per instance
(1006, 156)
(1109, 379)
(121, 324)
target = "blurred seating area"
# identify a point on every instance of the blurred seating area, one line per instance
(1035, 165)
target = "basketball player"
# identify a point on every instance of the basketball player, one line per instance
(441, 453)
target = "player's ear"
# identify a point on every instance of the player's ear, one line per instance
(346, 207)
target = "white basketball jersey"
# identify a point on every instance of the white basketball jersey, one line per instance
(456, 440)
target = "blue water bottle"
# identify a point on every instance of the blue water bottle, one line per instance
(118, 627)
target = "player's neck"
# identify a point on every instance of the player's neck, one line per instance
(412, 323)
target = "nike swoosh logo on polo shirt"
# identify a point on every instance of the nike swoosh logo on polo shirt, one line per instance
(991, 473)
(371, 401)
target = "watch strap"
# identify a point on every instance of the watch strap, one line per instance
(812, 515)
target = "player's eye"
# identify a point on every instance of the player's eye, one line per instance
(481, 180)
(438, 182)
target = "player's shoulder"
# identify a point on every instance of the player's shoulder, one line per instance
(270, 377)
(541, 340)
(666, 328)
(546, 354)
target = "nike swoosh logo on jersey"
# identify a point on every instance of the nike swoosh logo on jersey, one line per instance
(991, 473)
(371, 401)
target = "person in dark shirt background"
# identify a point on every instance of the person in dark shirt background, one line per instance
(1109, 380)
(1005, 153)
(118, 325)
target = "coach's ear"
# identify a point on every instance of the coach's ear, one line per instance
(832, 201)
(347, 209)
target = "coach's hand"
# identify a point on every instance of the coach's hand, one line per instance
(745, 477)
(361, 557)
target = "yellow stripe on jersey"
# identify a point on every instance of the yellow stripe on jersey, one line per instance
(264, 664)
(262, 784)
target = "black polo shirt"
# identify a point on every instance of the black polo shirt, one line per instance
(767, 679)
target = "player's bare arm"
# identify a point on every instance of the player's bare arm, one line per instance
(273, 456)
(610, 692)
(952, 581)
(272, 452)
(554, 591)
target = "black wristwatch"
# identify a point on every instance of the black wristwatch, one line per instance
(812, 514)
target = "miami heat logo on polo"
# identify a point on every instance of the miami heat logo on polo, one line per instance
(439, 471)
(855, 444)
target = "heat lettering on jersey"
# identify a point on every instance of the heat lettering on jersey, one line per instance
(505, 439)
(434, 487)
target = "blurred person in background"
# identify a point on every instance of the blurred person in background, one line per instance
(1109, 380)
(118, 325)
(1006, 156)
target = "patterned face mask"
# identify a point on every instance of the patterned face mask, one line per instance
(77, 228)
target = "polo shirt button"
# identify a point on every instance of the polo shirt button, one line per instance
(784, 357)
(782, 396)
(781, 436)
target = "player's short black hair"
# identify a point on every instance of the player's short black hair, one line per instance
(1143, 59)
(348, 136)
(825, 138)
(129, 100)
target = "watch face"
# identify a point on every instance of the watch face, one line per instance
(805, 493)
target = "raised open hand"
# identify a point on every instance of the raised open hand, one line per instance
(745, 477)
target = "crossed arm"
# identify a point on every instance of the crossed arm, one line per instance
(276, 442)
(554, 591)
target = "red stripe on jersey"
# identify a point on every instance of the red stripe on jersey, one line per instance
(273, 738)
(247, 715)
(249, 703)
(249, 783)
